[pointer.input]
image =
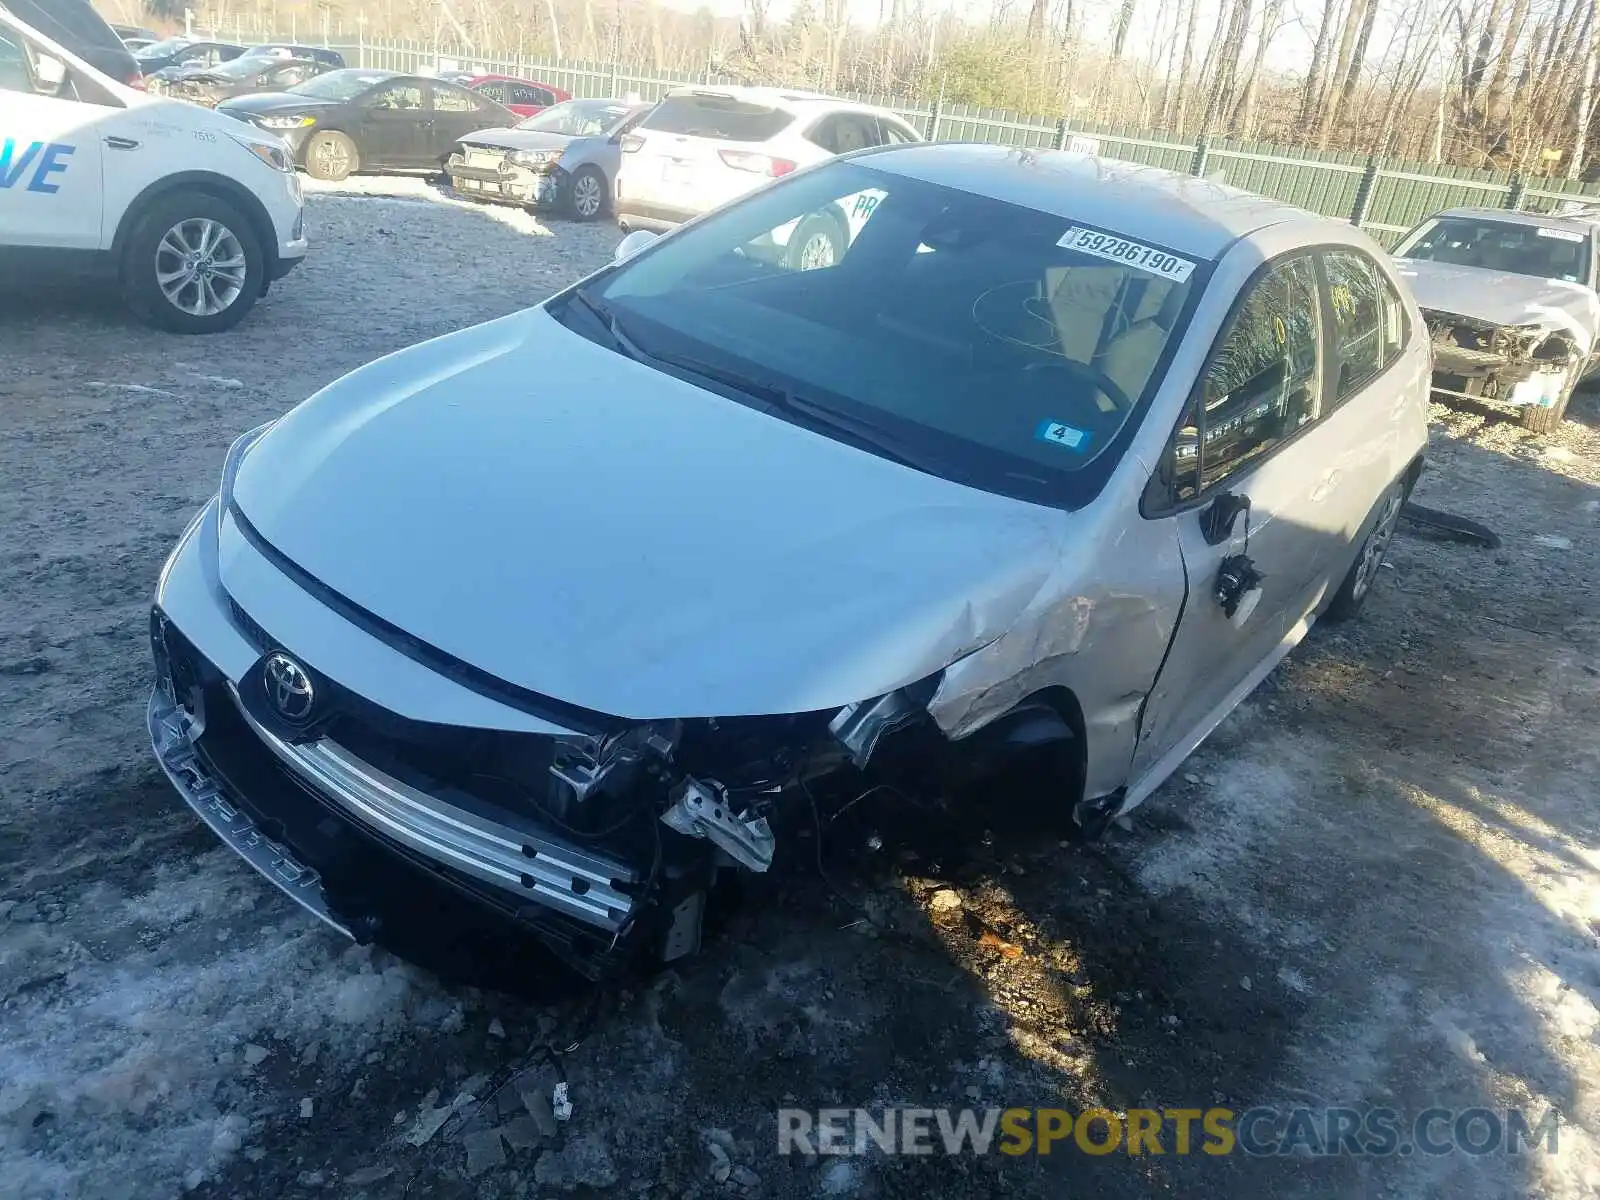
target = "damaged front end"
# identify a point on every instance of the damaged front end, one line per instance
(606, 846)
(1513, 365)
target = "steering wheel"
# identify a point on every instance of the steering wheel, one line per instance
(1099, 380)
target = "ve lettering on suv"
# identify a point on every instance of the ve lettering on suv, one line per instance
(192, 213)
(1036, 480)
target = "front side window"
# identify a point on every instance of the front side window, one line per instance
(1545, 252)
(986, 342)
(1264, 381)
(449, 99)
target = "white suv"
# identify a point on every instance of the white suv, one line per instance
(701, 147)
(192, 212)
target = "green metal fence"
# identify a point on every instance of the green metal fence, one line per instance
(1384, 198)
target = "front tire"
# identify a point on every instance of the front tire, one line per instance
(586, 194)
(192, 264)
(1357, 584)
(332, 156)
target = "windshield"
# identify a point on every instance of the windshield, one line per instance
(163, 48)
(340, 85)
(577, 118)
(1542, 251)
(1000, 346)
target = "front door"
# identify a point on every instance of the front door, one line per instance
(394, 132)
(1243, 480)
(50, 151)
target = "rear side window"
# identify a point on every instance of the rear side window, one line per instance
(495, 91)
(1263, 384)
(715, 116)
(449, 99)
(1362, 341)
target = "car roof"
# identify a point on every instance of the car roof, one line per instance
(793, 99)
(549, 87)
(1190, 215)
(1575, 222)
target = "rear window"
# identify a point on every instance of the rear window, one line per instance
(73, 23)
(721, 117)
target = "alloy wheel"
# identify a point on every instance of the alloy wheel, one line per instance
(1376, 545)
(200, 266)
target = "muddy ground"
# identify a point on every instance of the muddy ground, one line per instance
(1377, 884)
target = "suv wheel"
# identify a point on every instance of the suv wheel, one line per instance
(192, 264)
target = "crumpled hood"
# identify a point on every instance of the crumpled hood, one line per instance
(589, 528)
(1503, 297)
(517, 139)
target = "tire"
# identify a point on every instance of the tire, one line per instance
(586, 195)
(192, 264)
(1358, 581)
(817, 244)
(1539, 419)
(332, 156)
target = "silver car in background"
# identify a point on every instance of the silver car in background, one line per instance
(1510, 304)
(565, 158)
(569, 614)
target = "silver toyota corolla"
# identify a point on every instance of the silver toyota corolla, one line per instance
(564, 614)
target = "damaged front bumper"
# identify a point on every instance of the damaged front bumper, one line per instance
(505, 182)
(1512, 365)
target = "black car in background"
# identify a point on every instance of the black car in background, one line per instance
(78, 28)
(243, 76)
(167, 78)
(184, 52)
(359, 120)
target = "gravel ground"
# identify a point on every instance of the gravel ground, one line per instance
(1377, 884)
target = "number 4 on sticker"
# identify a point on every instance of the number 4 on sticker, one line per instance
(1059, 434)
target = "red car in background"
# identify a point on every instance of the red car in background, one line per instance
(524, 97)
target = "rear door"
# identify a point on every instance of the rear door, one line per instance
(1250, 433)
(394, 126)
(456, 113)
(696, 150)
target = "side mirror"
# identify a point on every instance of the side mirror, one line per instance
(49, 74)
(632, 244)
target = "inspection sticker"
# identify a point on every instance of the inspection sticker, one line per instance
(1062, 435)
(1565, 235)
(1129, 253)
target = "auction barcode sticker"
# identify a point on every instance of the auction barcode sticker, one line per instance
(1129, 253)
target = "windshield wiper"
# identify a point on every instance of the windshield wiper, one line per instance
(608, 319)
(810, 413)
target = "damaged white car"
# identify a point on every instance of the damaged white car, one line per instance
(562, 617)
(1510, 303)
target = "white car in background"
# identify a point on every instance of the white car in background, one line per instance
(1511, 306)
(702, 147)
(193, 213)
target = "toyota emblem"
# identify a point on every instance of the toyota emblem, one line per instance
(288, 687)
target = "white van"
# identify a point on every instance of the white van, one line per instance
(193, 213)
